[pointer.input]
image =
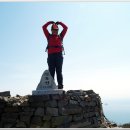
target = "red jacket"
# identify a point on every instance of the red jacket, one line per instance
(54, 40)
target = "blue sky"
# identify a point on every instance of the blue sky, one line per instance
(97, 46)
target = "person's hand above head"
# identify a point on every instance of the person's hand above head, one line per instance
(57, 22)
(52, 22)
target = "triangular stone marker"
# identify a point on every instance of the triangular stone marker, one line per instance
(47, 85)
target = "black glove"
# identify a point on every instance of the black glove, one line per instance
(52, 22)
(57, 22)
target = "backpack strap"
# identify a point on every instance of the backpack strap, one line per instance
(48, 42)
(60, 36)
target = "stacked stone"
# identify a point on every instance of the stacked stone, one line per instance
(73, 109)
(91, 114)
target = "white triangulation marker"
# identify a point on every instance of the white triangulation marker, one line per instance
(47, 85)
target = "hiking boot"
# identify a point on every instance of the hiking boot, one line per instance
(60, 86)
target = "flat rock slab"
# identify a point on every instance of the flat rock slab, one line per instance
(44, 92)
(5, 94)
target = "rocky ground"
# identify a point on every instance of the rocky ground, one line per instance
(73, 109)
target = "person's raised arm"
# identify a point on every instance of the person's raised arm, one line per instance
(65, 28)
(44, 27)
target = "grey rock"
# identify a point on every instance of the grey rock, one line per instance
(9, 117)
(57, 121)
(39, 98)
(11, 109)
(39, 112)
(59, 96)
(28, 109)
(26, 119)
(36, 122)
(37, 104)
(47, 117)
(8, 125)
(76, 92)
(82, 98)
(55, 97)
(76, 98)
(46, 124)
(1, 110)
(80, 124)
(2, 105)
(83, 103)
(93, 95)
(51, 103)
(62, 103)
(90, 92)
(21, 125)
(90, 114)
(5, 94)
(52, 111)
(24, 103)
(95, 120)
(16, 104)
(77, 117)
(4, 99)
(92, 103)
(73, 102)
(26, 113)
(70, 109)
(87, 98)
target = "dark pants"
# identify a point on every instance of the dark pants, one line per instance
(55, 62)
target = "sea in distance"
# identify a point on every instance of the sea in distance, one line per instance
(117, 110)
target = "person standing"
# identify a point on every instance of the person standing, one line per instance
(55, 48)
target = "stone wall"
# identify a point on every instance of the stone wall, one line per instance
(73, 109)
